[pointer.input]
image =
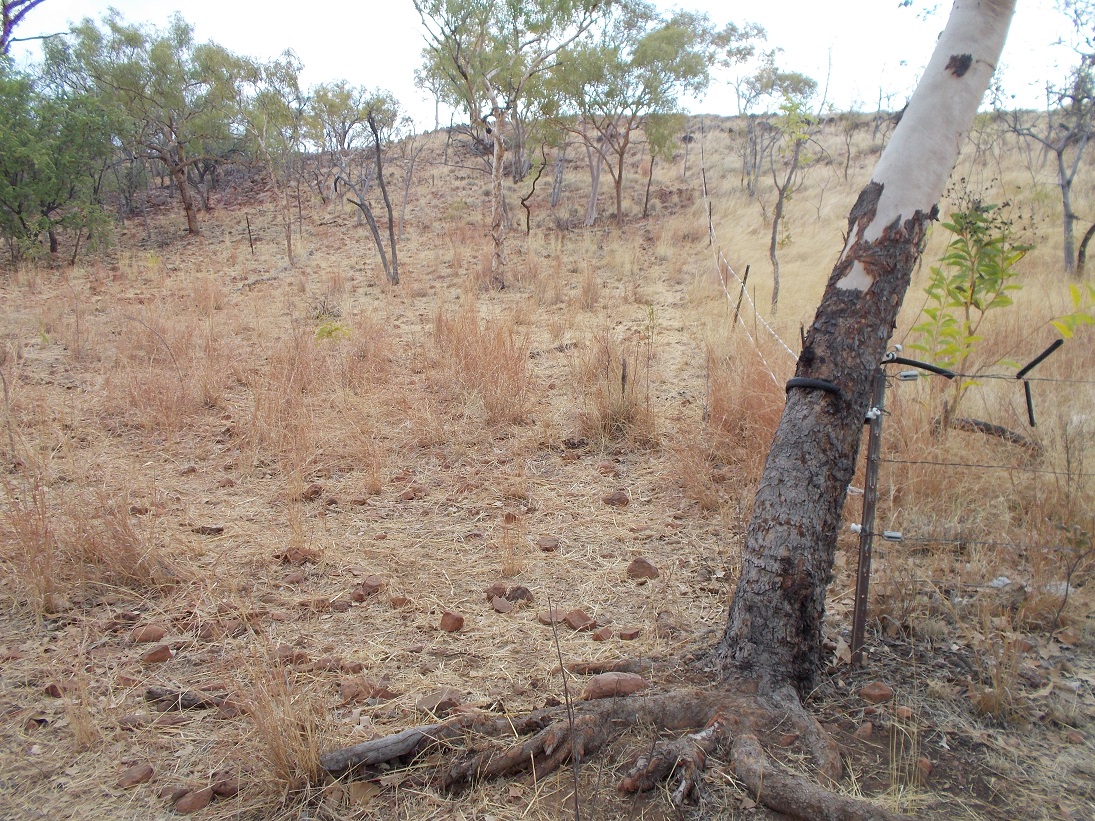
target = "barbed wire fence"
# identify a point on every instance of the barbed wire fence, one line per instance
(736, 292)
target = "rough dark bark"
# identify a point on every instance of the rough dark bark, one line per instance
(774, 628)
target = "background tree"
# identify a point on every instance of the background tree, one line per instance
(795, 130)
(179, 95)
(335, 124)
(638, 66)
(54, 149)
(380, 113)
(490, 52)
(13, 12)
(1069, 123)
(272, 113)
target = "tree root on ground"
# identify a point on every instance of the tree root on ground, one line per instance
(479, 746)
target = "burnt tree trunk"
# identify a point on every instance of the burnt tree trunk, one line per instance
(773, 631)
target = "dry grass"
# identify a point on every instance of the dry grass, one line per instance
(431, 435)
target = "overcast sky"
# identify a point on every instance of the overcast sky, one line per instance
(872, 44)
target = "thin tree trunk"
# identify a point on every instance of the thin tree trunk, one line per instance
(777, 218)
(596, 160)
(1081, 253)
(557, 182)
(1064, 180)
(393, 272)
(497, 206)
(773, 630)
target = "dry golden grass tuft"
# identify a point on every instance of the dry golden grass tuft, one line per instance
(64, 546)
(612, 382)
(489, 361)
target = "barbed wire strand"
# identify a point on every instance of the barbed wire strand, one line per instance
(721, 263)
(975, 466)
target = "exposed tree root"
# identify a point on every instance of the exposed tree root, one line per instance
(727, 720)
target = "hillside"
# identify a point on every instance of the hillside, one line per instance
(268, 482)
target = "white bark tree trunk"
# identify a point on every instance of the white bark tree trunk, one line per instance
(773, 631)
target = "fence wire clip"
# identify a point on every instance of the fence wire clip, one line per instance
(891, 535)
(908, 376)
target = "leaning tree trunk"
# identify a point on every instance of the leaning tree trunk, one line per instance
(773, 632)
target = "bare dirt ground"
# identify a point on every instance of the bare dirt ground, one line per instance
(265, 485)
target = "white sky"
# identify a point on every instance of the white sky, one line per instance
(377, 43)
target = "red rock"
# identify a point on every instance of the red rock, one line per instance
(440, 701)
(148, 633)
(451, 622)
(876, 692)
(548, 544)
(137, 774)
(227, 481)
(1074, 737)
(604, 634)
(372, 585)
(157, 655)
(607, 468)
(225, 784)
(138, 510)
(291, 655)
(296, 577)
(319, 604)
(864, 731)
(618, 498)
(399, 602)
(642, 569)
(502, 605)
(578, 620)
(519, 593)
(495, 591)
(352, 667)
(787, 739)
(629, 633)
(172, 793)
(549, 617)
(904, 713)
(412, 493)
(340, 606)
(54, 690)
(194, 801)
(311, 493)
(297, 555)
(608, 685)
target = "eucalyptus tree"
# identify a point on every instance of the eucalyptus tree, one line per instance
(1069, 124)
(54, 150)
(335, 124)
(12, 13)
(378, 113)
(179, 95)
(271, 113)
(633, 71)
(490, 53)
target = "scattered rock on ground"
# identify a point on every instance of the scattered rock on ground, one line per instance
(618, 498)
(549, 617)
(578, 619)
(607, 685)
(137, 774)
(629, 633)
(864, 731)
(876, 692)
(157, 655)
(194, 801)
(642, 569)
(440, 702)
(451, 622)
(604, 634)
(502, 605)
(548, 544)
(519, 593)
